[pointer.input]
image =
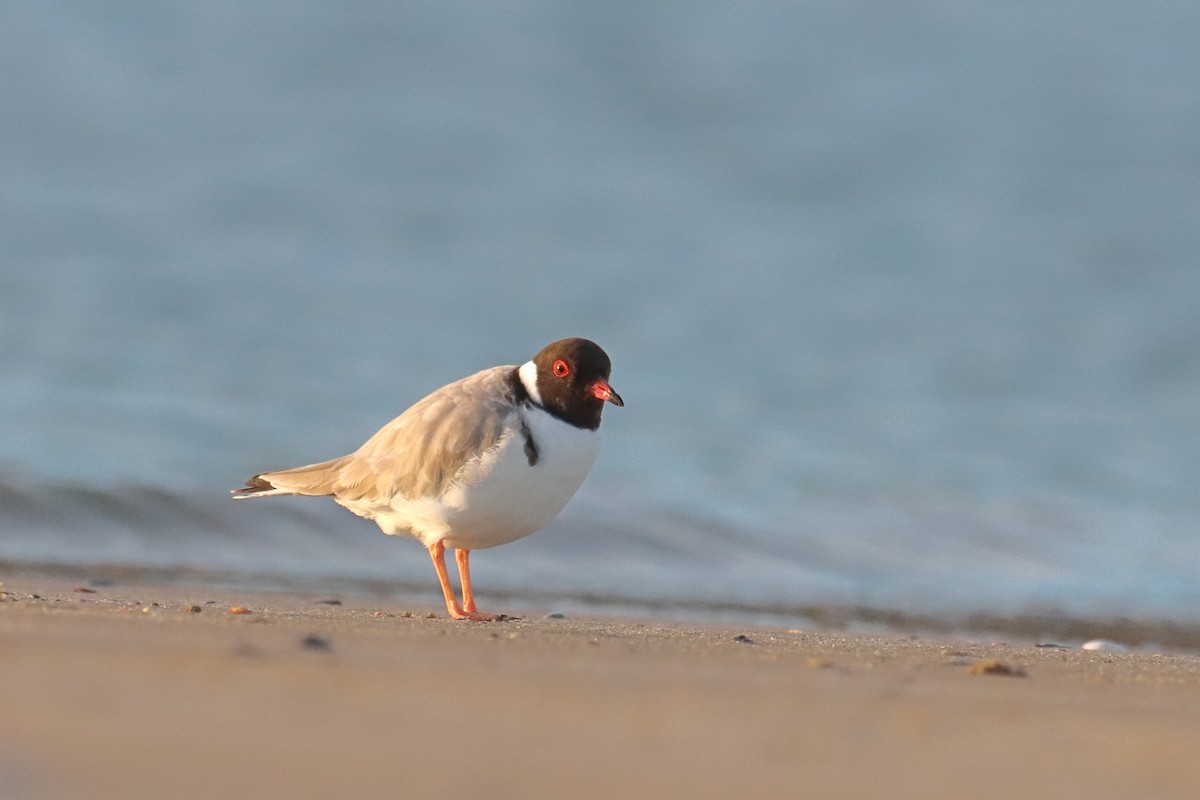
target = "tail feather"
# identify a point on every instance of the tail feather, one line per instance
(314, 480)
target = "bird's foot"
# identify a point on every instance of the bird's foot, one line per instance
(478, 616)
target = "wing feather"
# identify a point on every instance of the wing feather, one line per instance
(421, 452)
(418, 454)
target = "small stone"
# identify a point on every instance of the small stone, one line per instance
(431, 615)
(239, 610)
(329, 602)
(315, 642)
(742, 638)
(556, 615)
(1105, 646)
(84, 590)
(194, 609)
(993, 666)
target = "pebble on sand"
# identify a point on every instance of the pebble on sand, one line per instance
(994, 666)
(1105, 646)
(315, 642)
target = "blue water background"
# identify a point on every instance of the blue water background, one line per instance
(904, 299)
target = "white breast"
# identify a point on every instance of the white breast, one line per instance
(501, 497)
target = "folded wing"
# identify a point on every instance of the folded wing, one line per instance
(418, 454)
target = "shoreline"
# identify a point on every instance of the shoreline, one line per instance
(147, 690)
(1046, 626)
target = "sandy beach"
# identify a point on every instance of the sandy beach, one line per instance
(131, 691)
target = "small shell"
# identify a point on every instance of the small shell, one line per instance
(1105, 645)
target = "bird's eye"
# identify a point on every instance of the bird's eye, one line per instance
(561, 369)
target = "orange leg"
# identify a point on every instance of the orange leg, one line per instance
(437, 552)
(464, 577)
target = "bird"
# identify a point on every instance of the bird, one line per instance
(478, 463)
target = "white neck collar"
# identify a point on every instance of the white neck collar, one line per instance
(528, 375)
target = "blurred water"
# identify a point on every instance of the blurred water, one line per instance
(904, 301)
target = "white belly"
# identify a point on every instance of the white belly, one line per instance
(501, 497)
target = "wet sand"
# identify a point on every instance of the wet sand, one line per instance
(157, 691)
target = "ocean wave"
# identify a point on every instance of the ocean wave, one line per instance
(938, 561)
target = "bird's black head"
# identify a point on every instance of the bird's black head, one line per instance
(572, 381)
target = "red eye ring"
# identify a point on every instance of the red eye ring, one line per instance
(561, 369)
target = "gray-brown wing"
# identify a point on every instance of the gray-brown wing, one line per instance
(420, 452)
